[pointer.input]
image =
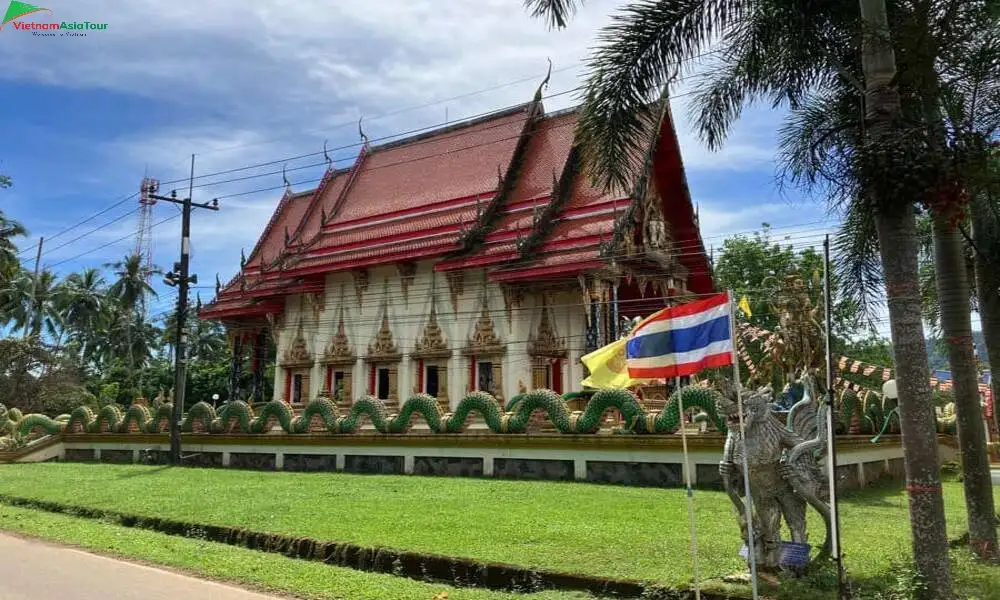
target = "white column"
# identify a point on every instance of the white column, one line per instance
(405, 377)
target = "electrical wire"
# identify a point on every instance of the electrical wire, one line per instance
(378, 117)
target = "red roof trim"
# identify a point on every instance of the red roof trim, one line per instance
(535, 272)
(476, 261)
(668, 175)
(380, 259)
(427, 209)
(410, 236)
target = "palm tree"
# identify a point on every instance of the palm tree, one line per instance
(795, 53)
(131, 288)
(84, 301)
(9, 263)
(32, 304)
(964, 98)
(985, 224)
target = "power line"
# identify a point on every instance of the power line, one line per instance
(341, 125)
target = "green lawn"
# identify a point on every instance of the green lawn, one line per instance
(608, 531)
(268, 572)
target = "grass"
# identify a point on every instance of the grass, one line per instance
(258, 570)
(599, 530)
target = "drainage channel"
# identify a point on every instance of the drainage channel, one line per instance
(458, 572)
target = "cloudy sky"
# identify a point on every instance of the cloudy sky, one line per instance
(241, 83)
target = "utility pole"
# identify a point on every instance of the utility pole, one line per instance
(182, 279)
(30, 321)
(831, 439)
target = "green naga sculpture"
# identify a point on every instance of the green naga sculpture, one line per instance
(784, 469)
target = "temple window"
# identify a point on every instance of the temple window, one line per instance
(431, 381)
(430, 356)
(338, 389)
(297, 362)
(300, 387)
(382, 391)
(383, 359)
(485, 377)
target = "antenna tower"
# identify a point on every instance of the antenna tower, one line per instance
(144, 231)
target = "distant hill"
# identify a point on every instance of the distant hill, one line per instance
(937, 351)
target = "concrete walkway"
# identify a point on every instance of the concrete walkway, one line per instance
(33, 570)
(996, 476)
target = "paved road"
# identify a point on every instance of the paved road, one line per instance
(996, 476)
(33, 570)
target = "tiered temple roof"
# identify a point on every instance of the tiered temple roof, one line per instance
(503, 192)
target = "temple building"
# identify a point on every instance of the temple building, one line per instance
(477, 256)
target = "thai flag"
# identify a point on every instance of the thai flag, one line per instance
(682, 340)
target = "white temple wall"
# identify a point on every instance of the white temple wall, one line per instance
(408, 313)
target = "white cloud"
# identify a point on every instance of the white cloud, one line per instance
(255, 81)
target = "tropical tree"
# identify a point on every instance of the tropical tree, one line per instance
(821, 144)
(85, 308)
(9, 262)
(985, 235)
(131, 287)
(749, 264)
(795, 53)
(32, 304)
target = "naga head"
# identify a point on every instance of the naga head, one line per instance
(757, 405)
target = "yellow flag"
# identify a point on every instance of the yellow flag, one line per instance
(745, 306)
(607, 367)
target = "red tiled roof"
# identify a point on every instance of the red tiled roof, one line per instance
(412, 199)
(460, 163)
(288, 215)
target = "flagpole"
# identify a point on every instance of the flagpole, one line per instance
(751, 546)
(690, 492)
(831, 441)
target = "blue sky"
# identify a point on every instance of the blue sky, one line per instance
(239, 83)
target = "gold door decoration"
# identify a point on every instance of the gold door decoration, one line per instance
(384, 353)
(486, 346)
(545, 342)
(297, 355)
(432, 348)
(341, 356)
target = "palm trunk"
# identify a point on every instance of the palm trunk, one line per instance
(898, 244)
(956, 324)
(988, 284)
(988, 294)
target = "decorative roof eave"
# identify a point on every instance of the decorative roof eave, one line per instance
(486, 221)
(286, 198)
(329, 176)
(348, 186)
(624, 228)
(546, 221)
(668, 173)
(211, 312)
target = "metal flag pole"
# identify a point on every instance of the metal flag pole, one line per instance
(690, 492)
(830, 440)
(751, 546)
